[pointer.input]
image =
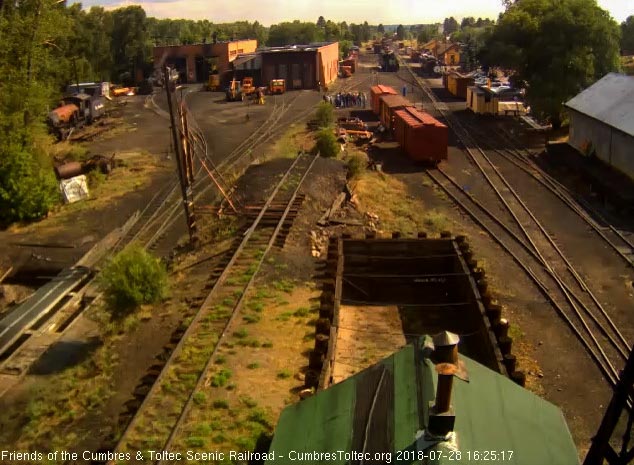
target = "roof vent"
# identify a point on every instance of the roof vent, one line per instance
(441, 414)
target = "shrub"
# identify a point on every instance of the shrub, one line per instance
(327, 144)
(356, 165)
(95, 178)
(220, 379)
(28, 188)
(132, 278)
(324, 115)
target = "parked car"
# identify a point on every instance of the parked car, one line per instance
(508, 94)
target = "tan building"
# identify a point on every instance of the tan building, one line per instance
(195, 62)
(449, 54)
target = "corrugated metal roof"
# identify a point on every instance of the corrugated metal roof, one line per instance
(415, 117)
(393, 101)
(492, 414)
(610, 100)
(242, 59)
(381, 89)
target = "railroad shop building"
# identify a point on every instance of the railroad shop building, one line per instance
(302, 66)
(194, 62)
(602, 122)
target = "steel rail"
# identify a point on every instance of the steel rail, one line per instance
(238, 306)
(544, 290)
(468, 140)
(197, 317)
(571, 204)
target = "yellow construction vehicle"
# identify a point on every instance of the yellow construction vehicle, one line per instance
(277, 86)
(234, 92)
(214, 82)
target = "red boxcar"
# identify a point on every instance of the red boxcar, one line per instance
(376, 92)
(388, 104)
(421, 136)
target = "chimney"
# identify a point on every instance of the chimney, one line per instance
(441, 414)
(446, 347)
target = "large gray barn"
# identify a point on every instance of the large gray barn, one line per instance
(602, 121)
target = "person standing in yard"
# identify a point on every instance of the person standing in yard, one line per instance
(404, 91)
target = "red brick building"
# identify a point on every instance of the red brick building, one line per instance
(195, 62)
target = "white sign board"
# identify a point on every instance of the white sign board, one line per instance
(74, 189)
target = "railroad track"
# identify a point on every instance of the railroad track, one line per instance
(156, 222)
(168, 406)
(613, 237)
(555, 276)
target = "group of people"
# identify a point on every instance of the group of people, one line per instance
(347, 100)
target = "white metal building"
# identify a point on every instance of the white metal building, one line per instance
(602, 121)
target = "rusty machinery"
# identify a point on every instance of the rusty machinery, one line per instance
(75, 111)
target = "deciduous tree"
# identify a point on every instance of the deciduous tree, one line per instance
(627, 35)
(557, 49)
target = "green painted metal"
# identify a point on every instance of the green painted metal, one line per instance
(405, 398)
(497, 421)
(322, 423)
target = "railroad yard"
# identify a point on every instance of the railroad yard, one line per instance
(296, 273)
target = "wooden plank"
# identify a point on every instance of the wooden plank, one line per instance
(5, 274)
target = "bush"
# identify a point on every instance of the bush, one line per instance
(324, 115)
(327, 144)
(28, 188)
(132, 278)
(356, 164)
(95, 178)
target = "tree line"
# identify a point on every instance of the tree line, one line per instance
(553, 51)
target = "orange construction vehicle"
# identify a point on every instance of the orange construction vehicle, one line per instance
(247, 87)
(277, 86)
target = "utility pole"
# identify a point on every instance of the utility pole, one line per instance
(179, 155)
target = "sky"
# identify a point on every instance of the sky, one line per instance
(269, 12)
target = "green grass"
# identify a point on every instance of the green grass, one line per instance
(249, 342)
(284, 285)
(259, 415)
(251, 318)
(267, 344)
(435, 220)
(228, 302)
(264, 294)
(253, 366)
(284, 374)
(195, 441)
(219, 438)
(199, 398)
(301, 312)
(255, 306)
(220, 360)
(249, 402)
(221, 404)
(220, 379)
(284, 316)
(241, 333)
